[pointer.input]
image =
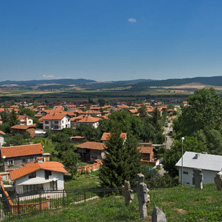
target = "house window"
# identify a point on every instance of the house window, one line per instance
(185, 172)
(56, 122)
(10, 162)
(46, 122)
(32, 175)
(47, 174)
(31, 188)
(46, 127)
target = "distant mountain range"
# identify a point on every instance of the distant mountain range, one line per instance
(87, 84)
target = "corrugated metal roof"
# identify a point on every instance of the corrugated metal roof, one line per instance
(201, 161)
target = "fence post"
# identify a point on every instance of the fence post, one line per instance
(63, 197)
(84, 194)
(40, 201)
(18, 204)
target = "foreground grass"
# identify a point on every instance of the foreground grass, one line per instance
(83, 181)
(179, 204)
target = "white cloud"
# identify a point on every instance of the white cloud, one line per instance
(132, 20)
(48, 76)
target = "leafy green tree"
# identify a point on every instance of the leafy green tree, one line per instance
(28, 112)
(203, 113)
(13, 118)
(101, 102)
(5, 116)
(61, 138)
(70, 160)
(122, 161)
(15, 140)
(172, 156)
(60, 148)
(89, 132)
(68, 131)
(142, 111)
(154, 180)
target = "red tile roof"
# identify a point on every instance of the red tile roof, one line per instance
(32, 167)
(54, 116)
(145, 149)
(91, 146)
(106, 136)
(23, 127)
(89, 119)
(23, 150)
(2, 133)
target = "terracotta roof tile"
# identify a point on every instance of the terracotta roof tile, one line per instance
(91, 146)
(23, 150)
(32, 167)
(89, 119)
(23, 127)
(2, 133)
(106, 136)
(54, 116)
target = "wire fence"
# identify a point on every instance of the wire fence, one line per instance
(18, 205)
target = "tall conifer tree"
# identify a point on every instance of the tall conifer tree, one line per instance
(122, 161)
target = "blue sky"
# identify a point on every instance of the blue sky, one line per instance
(110, 39)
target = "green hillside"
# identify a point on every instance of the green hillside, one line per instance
(179, 204)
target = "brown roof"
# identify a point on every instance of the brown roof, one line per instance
(106, 136)
(145, 149)
(2, 133)
(23, 127)
(23, 150)
(54, 116)
(91, 146)
(32, 167)
(89, 119)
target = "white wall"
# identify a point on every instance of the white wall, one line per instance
(1, 140)
(208, 176)
(41, 174)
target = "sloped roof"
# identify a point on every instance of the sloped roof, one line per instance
(201, 161)
(23, 150)
(32, 167)
(54, 116)
(2, 133)
(89, 119)
(145, 149)
(91, 146)
(106, 136)
(23, 127)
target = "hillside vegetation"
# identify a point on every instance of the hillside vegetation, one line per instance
(179, 204)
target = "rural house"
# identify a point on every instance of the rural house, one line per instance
(38, 176)
(22, 129)
(90, 151)
(14, 157)
(208, 163)
(2, 141)
(89, 120)
(56, 121)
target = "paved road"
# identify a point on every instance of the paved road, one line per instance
(169, 140)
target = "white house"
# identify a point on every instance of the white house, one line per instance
(89, 120)
(38, 176)
(209, 164)
(56, 121)
(25, 120)
(2, 141)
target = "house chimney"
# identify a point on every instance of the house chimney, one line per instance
(40, 159)
(197, 155)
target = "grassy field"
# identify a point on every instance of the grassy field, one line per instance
(179, 203)
(83, 181)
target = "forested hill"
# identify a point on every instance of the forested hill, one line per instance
(46, 81)
(137, 84)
